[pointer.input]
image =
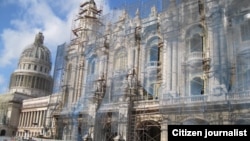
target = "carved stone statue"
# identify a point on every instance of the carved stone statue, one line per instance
(153, 11)
(39, 39)
(131, 78)
(65, 132)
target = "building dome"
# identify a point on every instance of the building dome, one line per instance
(32, 76)
(37, 50)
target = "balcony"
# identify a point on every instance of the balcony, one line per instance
(193, 59)
(153, 64)
(152, 67)
(120, 72)
(92, 77)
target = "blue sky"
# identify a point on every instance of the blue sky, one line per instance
(21, 20)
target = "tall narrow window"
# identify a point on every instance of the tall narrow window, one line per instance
(153, 54)
(245, 30)
(69, 73)
(196, 43)
(246, 81)
(92, 69)
(121, 60)
(197, 86)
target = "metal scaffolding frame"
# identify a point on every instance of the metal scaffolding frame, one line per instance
(110, 99)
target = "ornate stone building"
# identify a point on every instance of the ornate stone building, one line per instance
(30, 91)
(33, 78)
(183, 63)
(10, 104)
(129, 79)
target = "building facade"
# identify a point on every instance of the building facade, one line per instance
(130, 78)
(10, 105)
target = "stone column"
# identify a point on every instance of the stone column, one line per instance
(164, 65)
(20, 120)
(28, 119)
(37, 117)
(17, 80)
(174, 67)
(36, 120)
(225, 71)
(23, 117)
(40, 119)
(169, 66)
(130, 57)
(43, 118)
(78, 78)
(74, 129)
(124, 122)
(31, 119)
(25, 81)
(164, 130)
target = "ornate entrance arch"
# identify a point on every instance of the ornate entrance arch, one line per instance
(3, 132)
(148, 131)
(195, 121)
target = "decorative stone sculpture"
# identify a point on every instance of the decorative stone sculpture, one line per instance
(39, 39)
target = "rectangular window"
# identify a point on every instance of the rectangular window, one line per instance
(245, 31)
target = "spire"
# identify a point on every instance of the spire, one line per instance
(92, 1)
(172, 4)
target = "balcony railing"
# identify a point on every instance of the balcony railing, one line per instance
(168, 100)
(239, 95)
(193, 56)
(92, 77)
(152, 64)
(180, 100)
(244, 50)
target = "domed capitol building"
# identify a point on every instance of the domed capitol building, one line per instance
(159, 63)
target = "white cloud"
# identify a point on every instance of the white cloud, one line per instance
(53, 18)
(2, 84)
(39, 15)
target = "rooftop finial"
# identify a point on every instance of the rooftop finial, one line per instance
(92, 1)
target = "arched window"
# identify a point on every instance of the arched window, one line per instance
(92, 66)
(121, 60)
(197, 86)
(69, 73)
(194, 36)
(196, 43)
(153, 54)
(3, 132)
(244, 80)
(247, 79)
(245, 30)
